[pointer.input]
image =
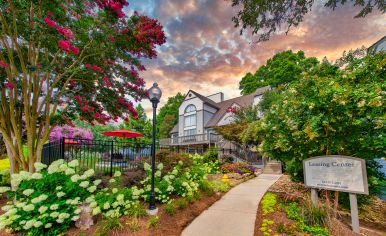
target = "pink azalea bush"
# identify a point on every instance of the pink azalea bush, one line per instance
(67, 131)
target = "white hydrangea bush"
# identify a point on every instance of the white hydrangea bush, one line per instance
(114, 201)
(47, 201)
(181, 181)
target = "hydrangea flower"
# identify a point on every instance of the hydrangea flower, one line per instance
(92, 189)
(28, 192)
(97, 182)
(84, 184)
(96, 211)
(4, 189)
(29, 207)
(48, 225)
(73, 163)
(39, 166)
(42, 209)
(117, 174)
(37, 175)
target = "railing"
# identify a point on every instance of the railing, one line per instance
(100, 155)
(191, 139)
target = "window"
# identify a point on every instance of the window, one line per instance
(190, 120)
(189, 132)
(190, 108)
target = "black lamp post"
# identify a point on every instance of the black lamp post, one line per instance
(155, 94)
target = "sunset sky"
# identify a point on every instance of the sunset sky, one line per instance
(205, 52)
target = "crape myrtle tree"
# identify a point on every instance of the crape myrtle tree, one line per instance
(61, 58)
(264, 18)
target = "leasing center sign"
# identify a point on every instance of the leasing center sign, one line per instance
(338, 173)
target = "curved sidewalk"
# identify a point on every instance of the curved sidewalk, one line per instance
(235, 213)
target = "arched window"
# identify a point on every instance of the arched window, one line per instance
(190, 108)
(190, 120)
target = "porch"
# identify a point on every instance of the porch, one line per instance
(191, 140)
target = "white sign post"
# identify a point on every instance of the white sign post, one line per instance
(337, 173)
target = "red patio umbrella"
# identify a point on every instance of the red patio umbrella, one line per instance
(123, 133)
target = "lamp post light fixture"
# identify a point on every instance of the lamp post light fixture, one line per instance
(155, 94)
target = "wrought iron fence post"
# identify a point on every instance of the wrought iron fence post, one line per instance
(111, 158)
(62, 146)
(49, 153)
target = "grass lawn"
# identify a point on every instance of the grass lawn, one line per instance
(4, 164)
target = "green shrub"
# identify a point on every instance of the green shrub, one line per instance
(153, 222)
(170, 208)
(197, 195)
(181, 203)
(268, 203)
(206, 187)
(133, 224)
(171, 159)
(293, 212)
(211, 156)
(107, 225)
(114, 201)
(5, 178)
(47, 201)
(137, 210)
(314, 215)
(219, 186)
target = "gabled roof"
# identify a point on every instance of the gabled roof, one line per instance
(175, 129)
(204, 99)
(243, 101)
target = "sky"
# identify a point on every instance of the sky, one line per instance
(206, 53)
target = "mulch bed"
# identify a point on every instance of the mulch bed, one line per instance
(168, 225)
(372, 217)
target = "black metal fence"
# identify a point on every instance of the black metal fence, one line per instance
(106, 157)
(100, 155)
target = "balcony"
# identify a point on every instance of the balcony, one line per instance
(191, 139)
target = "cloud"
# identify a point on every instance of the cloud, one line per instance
(205, 52)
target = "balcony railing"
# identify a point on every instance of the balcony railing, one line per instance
(191, 139)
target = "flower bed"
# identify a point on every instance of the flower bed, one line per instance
(49, 201)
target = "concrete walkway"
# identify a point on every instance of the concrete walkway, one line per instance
(235, 213)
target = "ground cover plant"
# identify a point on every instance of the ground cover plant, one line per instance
(290, 218)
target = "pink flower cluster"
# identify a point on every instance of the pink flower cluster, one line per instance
(9, 85)
(67, 47)
(116, 6)
(149, 31)
(65, 32)
(3, 64)
(69, 132)
(231, 109)
(94, 67)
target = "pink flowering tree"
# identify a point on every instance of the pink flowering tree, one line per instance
(71, 132)
(61, 59)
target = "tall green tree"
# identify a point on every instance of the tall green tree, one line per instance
(168, 115)
(140, 124)
(282, 68)
(60, 58)
(323, 115)
(267, 17)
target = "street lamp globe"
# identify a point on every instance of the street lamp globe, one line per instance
(155, 93)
